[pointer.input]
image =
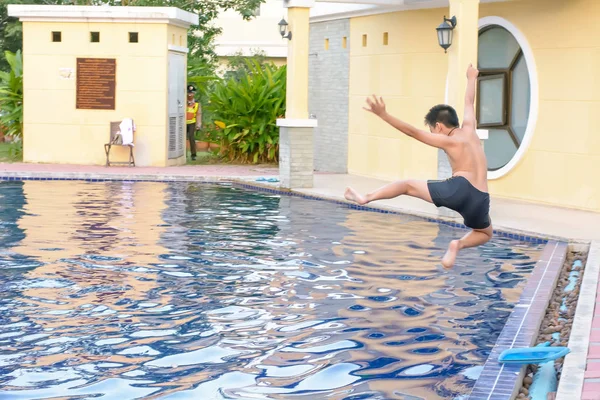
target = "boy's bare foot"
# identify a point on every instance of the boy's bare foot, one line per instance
(450, 256)
(352, 195)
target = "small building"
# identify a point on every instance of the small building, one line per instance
(87, 66)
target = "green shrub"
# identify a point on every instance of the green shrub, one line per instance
(244, 110)
(11, 95)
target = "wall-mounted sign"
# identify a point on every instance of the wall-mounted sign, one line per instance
(96, 83)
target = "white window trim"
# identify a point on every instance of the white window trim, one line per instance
(297, 123)
(482, 133)
(533, 88)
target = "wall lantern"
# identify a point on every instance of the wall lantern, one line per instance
(444, 32)
(283, 28)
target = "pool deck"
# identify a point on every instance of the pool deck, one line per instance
(581, 371)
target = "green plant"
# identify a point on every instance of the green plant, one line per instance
(201, 75)
(15, 149)
(11, 152)
(11, 95)
(245, 113)
(237, 66)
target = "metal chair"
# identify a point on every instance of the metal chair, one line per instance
(114, 131)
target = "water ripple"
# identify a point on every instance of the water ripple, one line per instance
(190, 291)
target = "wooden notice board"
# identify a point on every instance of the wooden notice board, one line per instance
(96, 83)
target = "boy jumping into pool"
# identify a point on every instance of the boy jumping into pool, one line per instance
(466, 191)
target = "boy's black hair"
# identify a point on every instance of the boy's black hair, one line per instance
(443, 114)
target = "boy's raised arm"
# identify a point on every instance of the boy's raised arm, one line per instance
(377, 107)
(469, 121)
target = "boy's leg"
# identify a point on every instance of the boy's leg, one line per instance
(474, 238)
(410, 187)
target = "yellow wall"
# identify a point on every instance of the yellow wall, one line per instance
(410, 74)
(176, 35)
(560, 166)
(55, 131)
(562, 163)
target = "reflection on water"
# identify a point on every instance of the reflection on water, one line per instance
(186, 291)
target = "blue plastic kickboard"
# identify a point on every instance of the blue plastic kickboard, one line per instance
(532, 355)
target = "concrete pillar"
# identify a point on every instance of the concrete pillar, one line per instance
(461, 53)
(296, 130)
(463, 50)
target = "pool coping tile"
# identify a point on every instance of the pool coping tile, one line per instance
(522, 327)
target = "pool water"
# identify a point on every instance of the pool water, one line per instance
(123, 290)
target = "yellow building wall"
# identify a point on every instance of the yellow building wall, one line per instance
(177, 36)
(562, 163)
(55, 131)
(560, 166)
(410, 74)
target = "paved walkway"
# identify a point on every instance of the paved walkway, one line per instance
(591, 386)
(191, 171)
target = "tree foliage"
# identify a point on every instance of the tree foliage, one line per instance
(11, 95)
(200, 37)
(238, 67)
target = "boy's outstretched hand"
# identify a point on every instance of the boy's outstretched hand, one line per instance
(376, 105)
(472, 72)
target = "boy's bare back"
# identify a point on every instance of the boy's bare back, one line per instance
(465, 152)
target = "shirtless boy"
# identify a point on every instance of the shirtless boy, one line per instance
(466, 191)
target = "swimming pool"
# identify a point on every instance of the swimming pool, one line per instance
(195, 291)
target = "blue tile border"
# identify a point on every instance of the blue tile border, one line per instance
(502, 381)
(243, 184)
(523, 238)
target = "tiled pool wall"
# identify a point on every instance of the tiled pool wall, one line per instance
(502, 381)
(496, 381)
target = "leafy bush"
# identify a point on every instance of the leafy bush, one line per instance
(11, 95)
(201, 75)
(237, 65)
(244, 111)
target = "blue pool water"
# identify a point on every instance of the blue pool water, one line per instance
(128, 290)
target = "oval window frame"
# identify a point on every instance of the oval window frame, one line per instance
(486, 22)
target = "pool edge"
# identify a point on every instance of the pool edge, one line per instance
(248, 182)
(502, 381)
(573, 377)
(502, 231)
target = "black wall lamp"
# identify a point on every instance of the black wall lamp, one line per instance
(283, 29)
(444, 32)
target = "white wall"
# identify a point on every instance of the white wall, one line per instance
(262, 32)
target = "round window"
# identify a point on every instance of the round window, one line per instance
(503, 94)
